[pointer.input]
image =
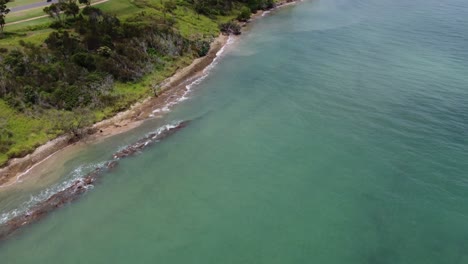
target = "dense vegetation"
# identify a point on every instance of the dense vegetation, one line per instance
(4, 10)
(94, 63)
(77, 67)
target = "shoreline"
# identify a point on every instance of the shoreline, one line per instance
(79, 186)
(170, 90)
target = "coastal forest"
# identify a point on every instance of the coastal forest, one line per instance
(86, 61)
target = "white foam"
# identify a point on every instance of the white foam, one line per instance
(75, 175)
(160, 110)
(196, 81)
(162, 129)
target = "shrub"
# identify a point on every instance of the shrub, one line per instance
(85, 60)
(230, 27)
(104, 51)
(202, 47)
(245, 14)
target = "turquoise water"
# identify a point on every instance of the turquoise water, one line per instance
(335, 131)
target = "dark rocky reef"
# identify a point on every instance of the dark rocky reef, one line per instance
(75, 190)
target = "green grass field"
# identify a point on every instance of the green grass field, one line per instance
(36, 31)
(22, 15)
(16, 3)
(29, 131)
(121, 7)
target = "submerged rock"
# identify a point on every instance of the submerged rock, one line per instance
(80, 186)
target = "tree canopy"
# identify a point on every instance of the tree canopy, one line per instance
(4, 10)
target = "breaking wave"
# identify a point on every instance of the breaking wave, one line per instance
(78, 174)
(72, 177)
(194, 81)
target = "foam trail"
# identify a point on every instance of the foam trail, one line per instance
(75, 175)
(195, 81)
(82, 179)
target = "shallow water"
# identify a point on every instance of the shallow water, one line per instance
(334, 131)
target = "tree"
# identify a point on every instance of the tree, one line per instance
(244, 15)
(53, 11)
(199, 6)
(63, 42)
(83, 118)
(4, 10)
(86, 2)
(71, 9)
(92, 12)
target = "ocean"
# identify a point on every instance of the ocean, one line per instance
(332, 131)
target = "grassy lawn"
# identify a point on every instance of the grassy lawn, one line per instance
(16, 3)
(188, 22)
(36, 30)
(29, 130)
(121, 6)
(21, 15)
(36, 37)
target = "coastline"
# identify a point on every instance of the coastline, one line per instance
(169, 91)
(48, 158)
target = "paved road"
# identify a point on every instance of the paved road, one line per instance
(31, 6)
